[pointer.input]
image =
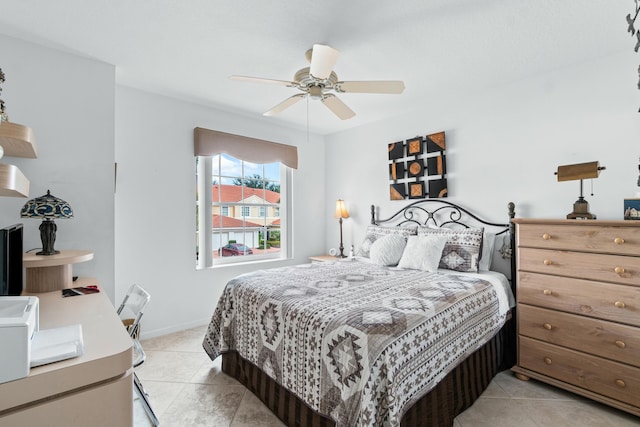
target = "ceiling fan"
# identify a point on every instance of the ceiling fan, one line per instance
(319, 81)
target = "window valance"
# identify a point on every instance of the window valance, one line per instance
(211, 142)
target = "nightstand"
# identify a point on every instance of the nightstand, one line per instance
(323, 258)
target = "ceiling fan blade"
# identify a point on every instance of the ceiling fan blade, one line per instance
(285, 104)
(261, 80)
(384, 86)
(338, 107)
(323, 59)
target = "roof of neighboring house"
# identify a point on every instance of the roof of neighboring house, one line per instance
(229, 222)
(233, 193)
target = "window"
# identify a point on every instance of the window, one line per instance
(242, 203)
(240, 190)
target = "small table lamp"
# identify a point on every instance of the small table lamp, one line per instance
(48, 208)
(341, 212)
(580, 171)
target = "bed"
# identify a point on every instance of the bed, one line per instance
(366, 342)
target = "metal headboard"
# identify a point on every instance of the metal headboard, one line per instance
(439, 213)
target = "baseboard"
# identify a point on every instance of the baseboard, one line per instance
(145, 334)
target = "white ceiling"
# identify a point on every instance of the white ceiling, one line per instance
(441, 48)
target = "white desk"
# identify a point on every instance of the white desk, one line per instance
(95, 389)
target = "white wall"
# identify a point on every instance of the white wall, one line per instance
(155, 204)
(505, 145)
(68, 101)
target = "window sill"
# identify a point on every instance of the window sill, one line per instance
(238, 261)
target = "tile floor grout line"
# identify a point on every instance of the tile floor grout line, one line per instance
(235, 413)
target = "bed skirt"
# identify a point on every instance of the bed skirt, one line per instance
(455, 393)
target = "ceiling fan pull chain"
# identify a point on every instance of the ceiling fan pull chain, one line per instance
(307, 119)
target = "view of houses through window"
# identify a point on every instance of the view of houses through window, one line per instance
(245, 208)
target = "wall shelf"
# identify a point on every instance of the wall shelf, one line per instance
(17, 140)
(13, 183)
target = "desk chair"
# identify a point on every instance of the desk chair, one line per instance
(131, 311)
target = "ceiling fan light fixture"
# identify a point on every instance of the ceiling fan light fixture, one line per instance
(315, 92)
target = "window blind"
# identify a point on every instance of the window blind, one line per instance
(211, 142)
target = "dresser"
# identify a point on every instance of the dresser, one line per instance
(578, 307)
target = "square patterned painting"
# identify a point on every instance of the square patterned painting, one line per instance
(417, 168)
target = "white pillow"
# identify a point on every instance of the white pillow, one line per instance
(423, 252)
(374, 232)
(387, 250)
(488, 243)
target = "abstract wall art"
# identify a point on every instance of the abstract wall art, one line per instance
(417, 168)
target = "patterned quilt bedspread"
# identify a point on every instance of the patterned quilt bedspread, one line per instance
(358, 342)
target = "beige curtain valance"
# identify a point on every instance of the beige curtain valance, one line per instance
(211, 142)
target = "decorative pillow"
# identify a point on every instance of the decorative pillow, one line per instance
(374, 232)
(488, 243)
(463, 249)
(387, 250)
(423, 252)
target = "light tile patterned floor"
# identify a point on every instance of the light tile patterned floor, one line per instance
(187, 389)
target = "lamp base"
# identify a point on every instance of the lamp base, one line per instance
(47, 253)
(581, 210)
(48, 230)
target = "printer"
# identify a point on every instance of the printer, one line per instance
(18, 323)
(25, 345)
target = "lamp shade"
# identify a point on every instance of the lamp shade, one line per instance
(579, 171)
(341, 210)
(47, 206)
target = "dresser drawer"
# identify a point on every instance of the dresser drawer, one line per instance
(606, 268)
(607, 301)
(581, 237)
(599, 337)
(605, 377)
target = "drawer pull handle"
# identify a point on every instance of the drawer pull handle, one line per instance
(548, 262)
(547, 326)
(547, 360)
(618, 240)
(547, 292)
(619, 304)
(621, 383)
(619, 270)
(620, 344)
(546, 236)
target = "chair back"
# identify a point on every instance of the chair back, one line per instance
(132, 309)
